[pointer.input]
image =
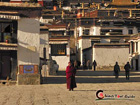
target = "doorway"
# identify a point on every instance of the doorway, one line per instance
(137, 64)
(5, 65)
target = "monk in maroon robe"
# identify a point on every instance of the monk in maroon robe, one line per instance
(70, 77)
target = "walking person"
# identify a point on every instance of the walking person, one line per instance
(127, 68)
(79, 64)
(70, 77)
(75, 65)
(94, 64)
(88, 64)
(116, 70)
(84, 65)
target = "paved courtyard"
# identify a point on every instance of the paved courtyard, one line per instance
(53, 91)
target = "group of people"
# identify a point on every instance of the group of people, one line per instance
(71, 72)
(76, 64)
(127, 68)
(88, 65)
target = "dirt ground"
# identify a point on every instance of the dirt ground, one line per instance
(53, 90)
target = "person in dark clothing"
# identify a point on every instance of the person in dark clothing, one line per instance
(84, 65)
(72, 63)
(116, 70)
(75, 65)
(70, 77)
(127, 68)
(94, 64)
(79, 64)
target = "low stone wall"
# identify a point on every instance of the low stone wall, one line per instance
(28, 79)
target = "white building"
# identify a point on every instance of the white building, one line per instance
(59, 50)
(20, 55)
(134, 54)
(100, 38)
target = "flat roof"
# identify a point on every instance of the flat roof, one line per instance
(19, 4)
(111, 44)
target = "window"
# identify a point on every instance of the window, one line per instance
(133, 0)
(0, 37)
(136, 46)
(86, 32)
(56, 33)
(105, 23)
(70, 33)
(114, 41)
(118, 23)
(58, 49)
(5, 31)
(138, 29)
(130, 31)
(132, 47)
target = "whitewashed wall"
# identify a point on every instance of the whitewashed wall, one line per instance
(106, 57)
(83, 44)
(80, 30)
(126, 29)
(62, 61)
(139, 46)
(96, 30)
(28, 41)
(92, 30)
(44, 42)
(135, 30)
(80, 52)
(139, 53)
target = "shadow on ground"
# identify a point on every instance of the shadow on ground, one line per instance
(92, 77)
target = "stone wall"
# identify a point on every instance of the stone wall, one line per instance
(28, 79)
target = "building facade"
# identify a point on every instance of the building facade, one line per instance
(134, 54)
(19, 53)
(103, 33)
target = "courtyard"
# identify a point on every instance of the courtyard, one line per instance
(53, 90)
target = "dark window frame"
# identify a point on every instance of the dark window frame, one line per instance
(136, 46)
(57, 48)
(130, 31)
(86, 32)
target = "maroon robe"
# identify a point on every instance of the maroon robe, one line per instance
(70, 77)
